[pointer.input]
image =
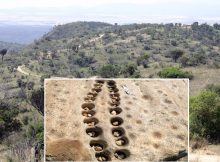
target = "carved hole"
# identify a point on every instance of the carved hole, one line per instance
(91, 121)
(115, 111)
(100, 81)
(116, 121)
(88, 113)
(94, 132)
(115, 103)
(118, 132)
(87, 106)
(121, 154)
(122, 141)
(98, 145)
(103, 156)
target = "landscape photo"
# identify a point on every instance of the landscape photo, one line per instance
(54, 39)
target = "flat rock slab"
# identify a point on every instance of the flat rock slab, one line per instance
(150, 119)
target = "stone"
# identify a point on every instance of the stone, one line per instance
(114, 112)
(116, 123)
(116, 134)
(120, 142)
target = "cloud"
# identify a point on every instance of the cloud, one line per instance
(121, 11)
(12, 4)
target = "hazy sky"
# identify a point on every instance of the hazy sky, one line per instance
(42, 12)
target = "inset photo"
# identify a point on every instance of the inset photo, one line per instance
(119, 119)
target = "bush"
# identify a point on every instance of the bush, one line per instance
(84, 61)
(213, 88)
(184, 61)
(36, 131)
(176, 54)
(173, 72)
(130, 70)
(143, 60)
(37, 100)
(109, 71)
(8, 121)
(205, 115)
(25, 120)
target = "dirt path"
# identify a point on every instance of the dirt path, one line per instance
(19, 69)
(95, 39)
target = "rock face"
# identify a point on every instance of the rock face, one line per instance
(149, 123)
(64, 149)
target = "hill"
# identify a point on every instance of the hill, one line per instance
(81, 49)
(76, 29)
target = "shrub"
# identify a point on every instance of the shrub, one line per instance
(143, 60)
(184, 61)
(8, 121)
(36, 131)
(84, 61)
(173, 72)
(205, 115)
(130, 70)
(37, 100)
(176, 54)
(109, 71)
(25, 120)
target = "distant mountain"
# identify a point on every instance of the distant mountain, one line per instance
(76, 29)
(22, 34)
(11, 46)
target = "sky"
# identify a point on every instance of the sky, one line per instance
(53, 12)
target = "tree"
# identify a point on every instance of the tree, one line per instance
(21, 83)
(184, 60)
(176, 54)
(195, 26)
(147, 48)
(109, 71)
(130, 70)
(30, 85)
(139, 38)
(143, 59)
(37, 100)
(3, 53)
(200, 57)
(216, 26)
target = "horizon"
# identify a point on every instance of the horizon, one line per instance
(54, 12)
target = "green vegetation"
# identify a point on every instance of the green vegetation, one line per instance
(205, 114)
(176, 53)
(173, 72)
(3, 53)
(37, 100)
(12, 47)
(8, 121)
(80, 49)
(36, 132)
(109, 71)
